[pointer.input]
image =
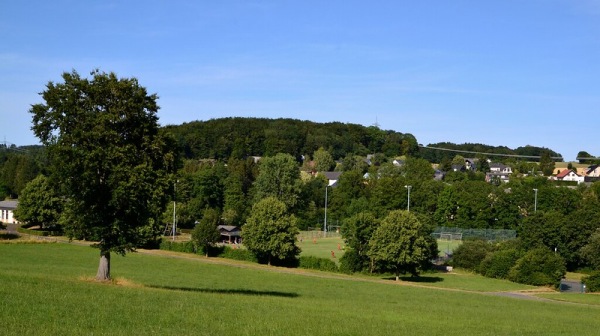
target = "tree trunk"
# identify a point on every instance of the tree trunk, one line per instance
(104, 267)
(397, 276)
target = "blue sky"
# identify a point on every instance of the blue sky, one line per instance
(510, 73)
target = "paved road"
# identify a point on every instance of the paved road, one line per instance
(569, 286)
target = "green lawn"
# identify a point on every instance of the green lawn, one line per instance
(322, 247)
(45, 291)
(315, 245)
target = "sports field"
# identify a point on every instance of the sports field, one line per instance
(313, 244)
(46, 291)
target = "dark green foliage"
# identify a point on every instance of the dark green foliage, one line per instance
(238, 254)
(187, 247)
(321, 264)
(546, 163)
(470, 254)
(242, 137)
(352, 262)
(497, 264)
(357, 231)
(109, 158)
(592, 282)
(279, 177)
(583, 156)
(591, 251)
(270, 232)
(17, 168)
(539, 267)
(401, 244)
(205, 234)
(39, 204)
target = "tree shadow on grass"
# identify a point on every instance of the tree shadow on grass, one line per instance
(228, 291)
(8, 236)
(419, 279)
(422, 279)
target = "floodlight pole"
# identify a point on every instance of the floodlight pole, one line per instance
(325, 221)
(408, 205)
(535, 200)
(174, 207)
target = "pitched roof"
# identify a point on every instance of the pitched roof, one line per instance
(228, 228)
(564, 173)
(8, 205)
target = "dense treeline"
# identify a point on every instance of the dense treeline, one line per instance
(243, 137)
(218, 179)
(437, 156)
(18, 166)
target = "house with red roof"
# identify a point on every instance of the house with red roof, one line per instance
(569, 175)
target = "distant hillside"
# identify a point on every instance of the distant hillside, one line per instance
(470, 150)
(241, 137)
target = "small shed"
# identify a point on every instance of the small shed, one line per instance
(230, 234)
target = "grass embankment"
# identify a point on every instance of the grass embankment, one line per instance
(45, 292)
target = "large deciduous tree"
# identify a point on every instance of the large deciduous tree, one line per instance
(400, 244)
(108, 156)
(270, 231)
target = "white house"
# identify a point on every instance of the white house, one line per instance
(593, 171)
(569, 175)
(6, 212)
(497, 167)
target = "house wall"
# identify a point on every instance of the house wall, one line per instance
(595, 172)
(6, 216)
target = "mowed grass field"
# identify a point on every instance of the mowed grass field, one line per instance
(46, 291)
(315, 245)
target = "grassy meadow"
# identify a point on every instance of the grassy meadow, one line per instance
(46, 290)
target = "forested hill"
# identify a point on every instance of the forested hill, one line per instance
(242, 137)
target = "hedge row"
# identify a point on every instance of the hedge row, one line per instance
(39, 232)
(321, 264)
(306, 262)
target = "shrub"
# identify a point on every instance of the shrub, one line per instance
(470, 254)
(538, 267)
(592, 282)
(187, 247)
(238, 254)
(351, 262)
(498, 264)
(321, 264)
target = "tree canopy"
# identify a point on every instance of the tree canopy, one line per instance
(401, 243)
(108, 156)
(270, 231)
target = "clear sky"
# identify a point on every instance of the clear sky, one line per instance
(503, 72)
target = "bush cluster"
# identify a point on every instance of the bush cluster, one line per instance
(470, 254)
(237, 254)
(538, 266)
(321, 264)
(592, 282)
